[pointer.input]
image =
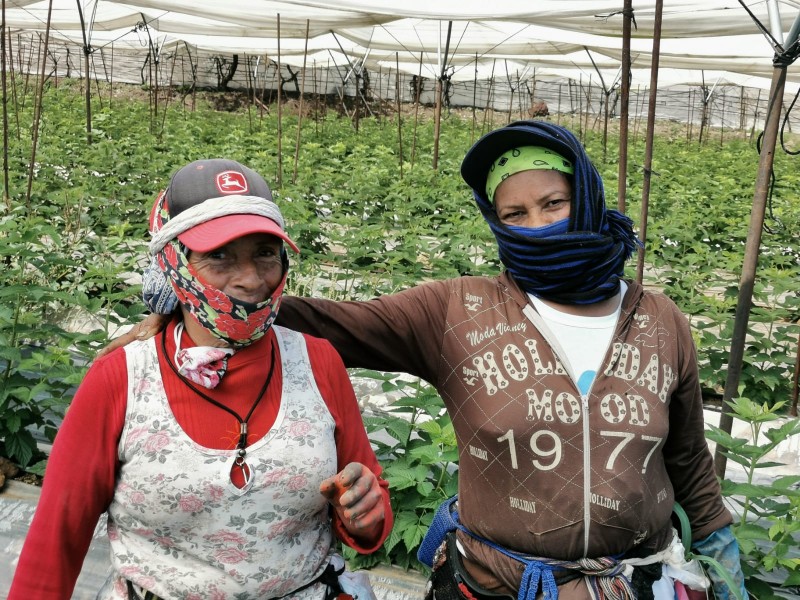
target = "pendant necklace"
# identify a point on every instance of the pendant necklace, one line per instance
(241, 447)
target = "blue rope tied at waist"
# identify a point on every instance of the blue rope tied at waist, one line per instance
(535, 573)
(605, 574)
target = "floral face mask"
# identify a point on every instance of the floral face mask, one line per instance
(236, 322)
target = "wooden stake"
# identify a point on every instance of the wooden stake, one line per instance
(474, 99)
(651, 120)
(279, 178)
(751, 252)
(437, 125)
(300, 107)
(6, 194)
(399, 116)
(37, 107)
(625, 99)
(416, 111)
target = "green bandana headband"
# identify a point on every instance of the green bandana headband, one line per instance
(524, 158)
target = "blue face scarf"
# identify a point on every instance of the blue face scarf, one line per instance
(558, 228)
(579, 260)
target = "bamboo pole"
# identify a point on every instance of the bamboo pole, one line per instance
(340, 90)
(437, 122)
(152, 71)
(484, 129)
(356, 115)
(571, 99)
(380, 92)
(606, 116)
(14, 85)
(38, 62)
(474, 99)
(357, 97)
(88, 89)
(166, 101)
(510, 87)
(627, 12)
(399, 115)
(558, 110)
(279, 177)
(261, 105)
(651, 120)
(636, 118)
(755, 115)
(742, 108)
(325, 93)
(606, 94)
(300, 107)
(750, 263)
(437, 126)
(704, 115)
(37, 107)
(417, 102)
(580, 109)
(588, 104)
(111, 79)
(96, 78)
(6, 193)
(275, 78)
(705, 121)
(29, 67)
(316, 97)
(795, 381)
(250, 82)
(193, 68)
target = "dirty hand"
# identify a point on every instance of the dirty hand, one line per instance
(356, 495)
(143, 330)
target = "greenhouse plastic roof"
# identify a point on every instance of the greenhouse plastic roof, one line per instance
(702, 41)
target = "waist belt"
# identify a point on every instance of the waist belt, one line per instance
(449, 580)
(329, 576)
(461, 576)
(605, 574)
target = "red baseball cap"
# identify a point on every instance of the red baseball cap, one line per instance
(214, 178)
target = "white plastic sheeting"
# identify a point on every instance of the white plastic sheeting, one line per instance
(702, 40)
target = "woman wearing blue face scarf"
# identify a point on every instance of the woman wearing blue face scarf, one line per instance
(574, 393)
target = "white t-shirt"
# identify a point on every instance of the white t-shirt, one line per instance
(583, 339)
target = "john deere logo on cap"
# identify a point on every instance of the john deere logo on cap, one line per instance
(231, 182)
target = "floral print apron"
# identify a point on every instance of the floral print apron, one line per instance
(177, 525)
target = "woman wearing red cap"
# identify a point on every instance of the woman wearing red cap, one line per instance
(228, 453)
(574, 393)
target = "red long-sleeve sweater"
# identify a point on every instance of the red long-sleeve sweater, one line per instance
(81, 472)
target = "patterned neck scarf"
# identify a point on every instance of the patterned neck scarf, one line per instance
(204, 365)
(582, 265)
(235, 322)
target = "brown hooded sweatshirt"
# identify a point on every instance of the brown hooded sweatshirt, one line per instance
(544, 470)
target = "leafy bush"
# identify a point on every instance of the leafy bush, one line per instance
(416, 445)
(768, 515)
